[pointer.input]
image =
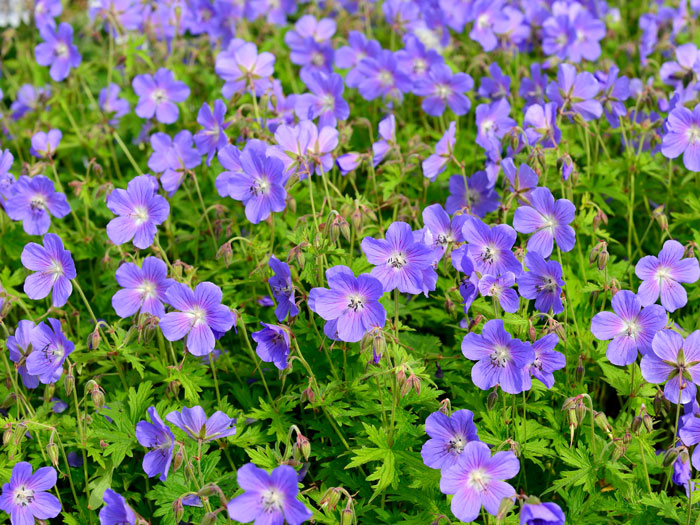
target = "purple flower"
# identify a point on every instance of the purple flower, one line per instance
(497, 85)
(540, 125)
(45, 11)
(50, 348)
(479, 195)
(546, 361)
(686, 67)
(144, 289)
(160, 439)
(273, 344)
(399, 260)
(542, 283)
(631, 327)
(500, 289)
(140, 210)
(348, 57)
(19, 347)
(415, 60)
(443, 231)
(440, 88)
(662, 275)
(57, 50)
(173, 157)
(111, 103)
(29, 99)
(615, 90)
(448, 437)
(282, 289)
(26, 496)
(200, 313)
(325, 100)
(500, 359)
(53, 267)
(493, 122)
(242, 68)
(572, 32)
(532, 88)
(58, 406)
(542, 514)
(212, 138)
(549, 220)
(683, 136)
(475, 480)
(484, 14)
(351, 306)
(675, 361)
(115, 510)
(268, 497)
(194, 422)
(576, 91)
(44, 144)
(158, 94)
(436, 163)
(274, 11)
(387, 132)
(259, 184)
(490, 248)
(522, 179)
(380, 77)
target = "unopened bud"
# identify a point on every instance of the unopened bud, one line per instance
(569, 403)
(52, 451)
(690, 249)
(178, 510)
(602, 421)
(208, 490)
(504, 508)
(648, 422)
(304, 446)
(331, 498)
(178, 458)
(209, 519)
(670, 456)
(531, 332)
(475, 322)
(636, 424)
(618, 451)
(580, 412)
(98, 398)
(173, 389)
(69, 382)
(445, 406)
(347, 516)
(94, 339)
(7, 436)
(492, 399)
(225, 252)
(573, 418)
(660, 216)
(627, 437)
(603, 258)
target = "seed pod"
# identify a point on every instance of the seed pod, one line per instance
(670, 456)
(492, 399)
(209, 519)
(304, 446)
(593, 255)
(52, 451)
(178, 510)
(331, 498)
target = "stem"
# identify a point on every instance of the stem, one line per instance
(204, 210)
(644, 463)
(254, 357)
(216, 382)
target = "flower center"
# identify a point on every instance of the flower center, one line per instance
(397, 260)
(693, 134)
(457, 444)
(386, 78)
(23, 496)
(140, 215)
(632, 328)
(495, 290)
(419, 66)
(61, 50)
(483, 21)
(272, 500)
(159, 96)
(198, 315)
(550, 221)
(663, 273)
(442, 239)
(317, 59)
(260, 187)
(147, 289)
(442, 90)
(56, 268)
(548, 285)
(487, 125)
(489, 254)
(478, 479)
(500, 356)
(38, 203)
(327, 103)
(356, 302)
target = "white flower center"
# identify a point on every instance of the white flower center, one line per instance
(632, 328)
(56, 268)
(478, 479)
(159, 96)
(386, 78)
(442, 90)
(140, 215)
(260, 187)
(483, 21)
(198, 315)
(356, 302)
(147, 289)
(61, 50)
(663, 273)
(487, 125)
(327, 103)
(272, 500)
(38, 203)
(23, 496)
(693, 134)
(397, 260)
(457, 444)
(500, 356)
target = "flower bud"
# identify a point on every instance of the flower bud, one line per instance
(173, 389)
(670, 456)
(593, 255)
(208, 490)
(618, 451)
(98, 398)
(660, 217)
(347, 517)
(569, 403)
(648, 422)
(603, 258)
(52, 451)
(573, 418)
(304, 446)
(178, 510)
(531, 332)
(225, 252)
(636, 424)
(445, 406)
(475, 322)
(93, 340)
(178, 458)
(602, 421)
(580, 412)
(69, 382)
(209, 519)
(7, 436)
(504, 508)
(492, 399)
(331, 498)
